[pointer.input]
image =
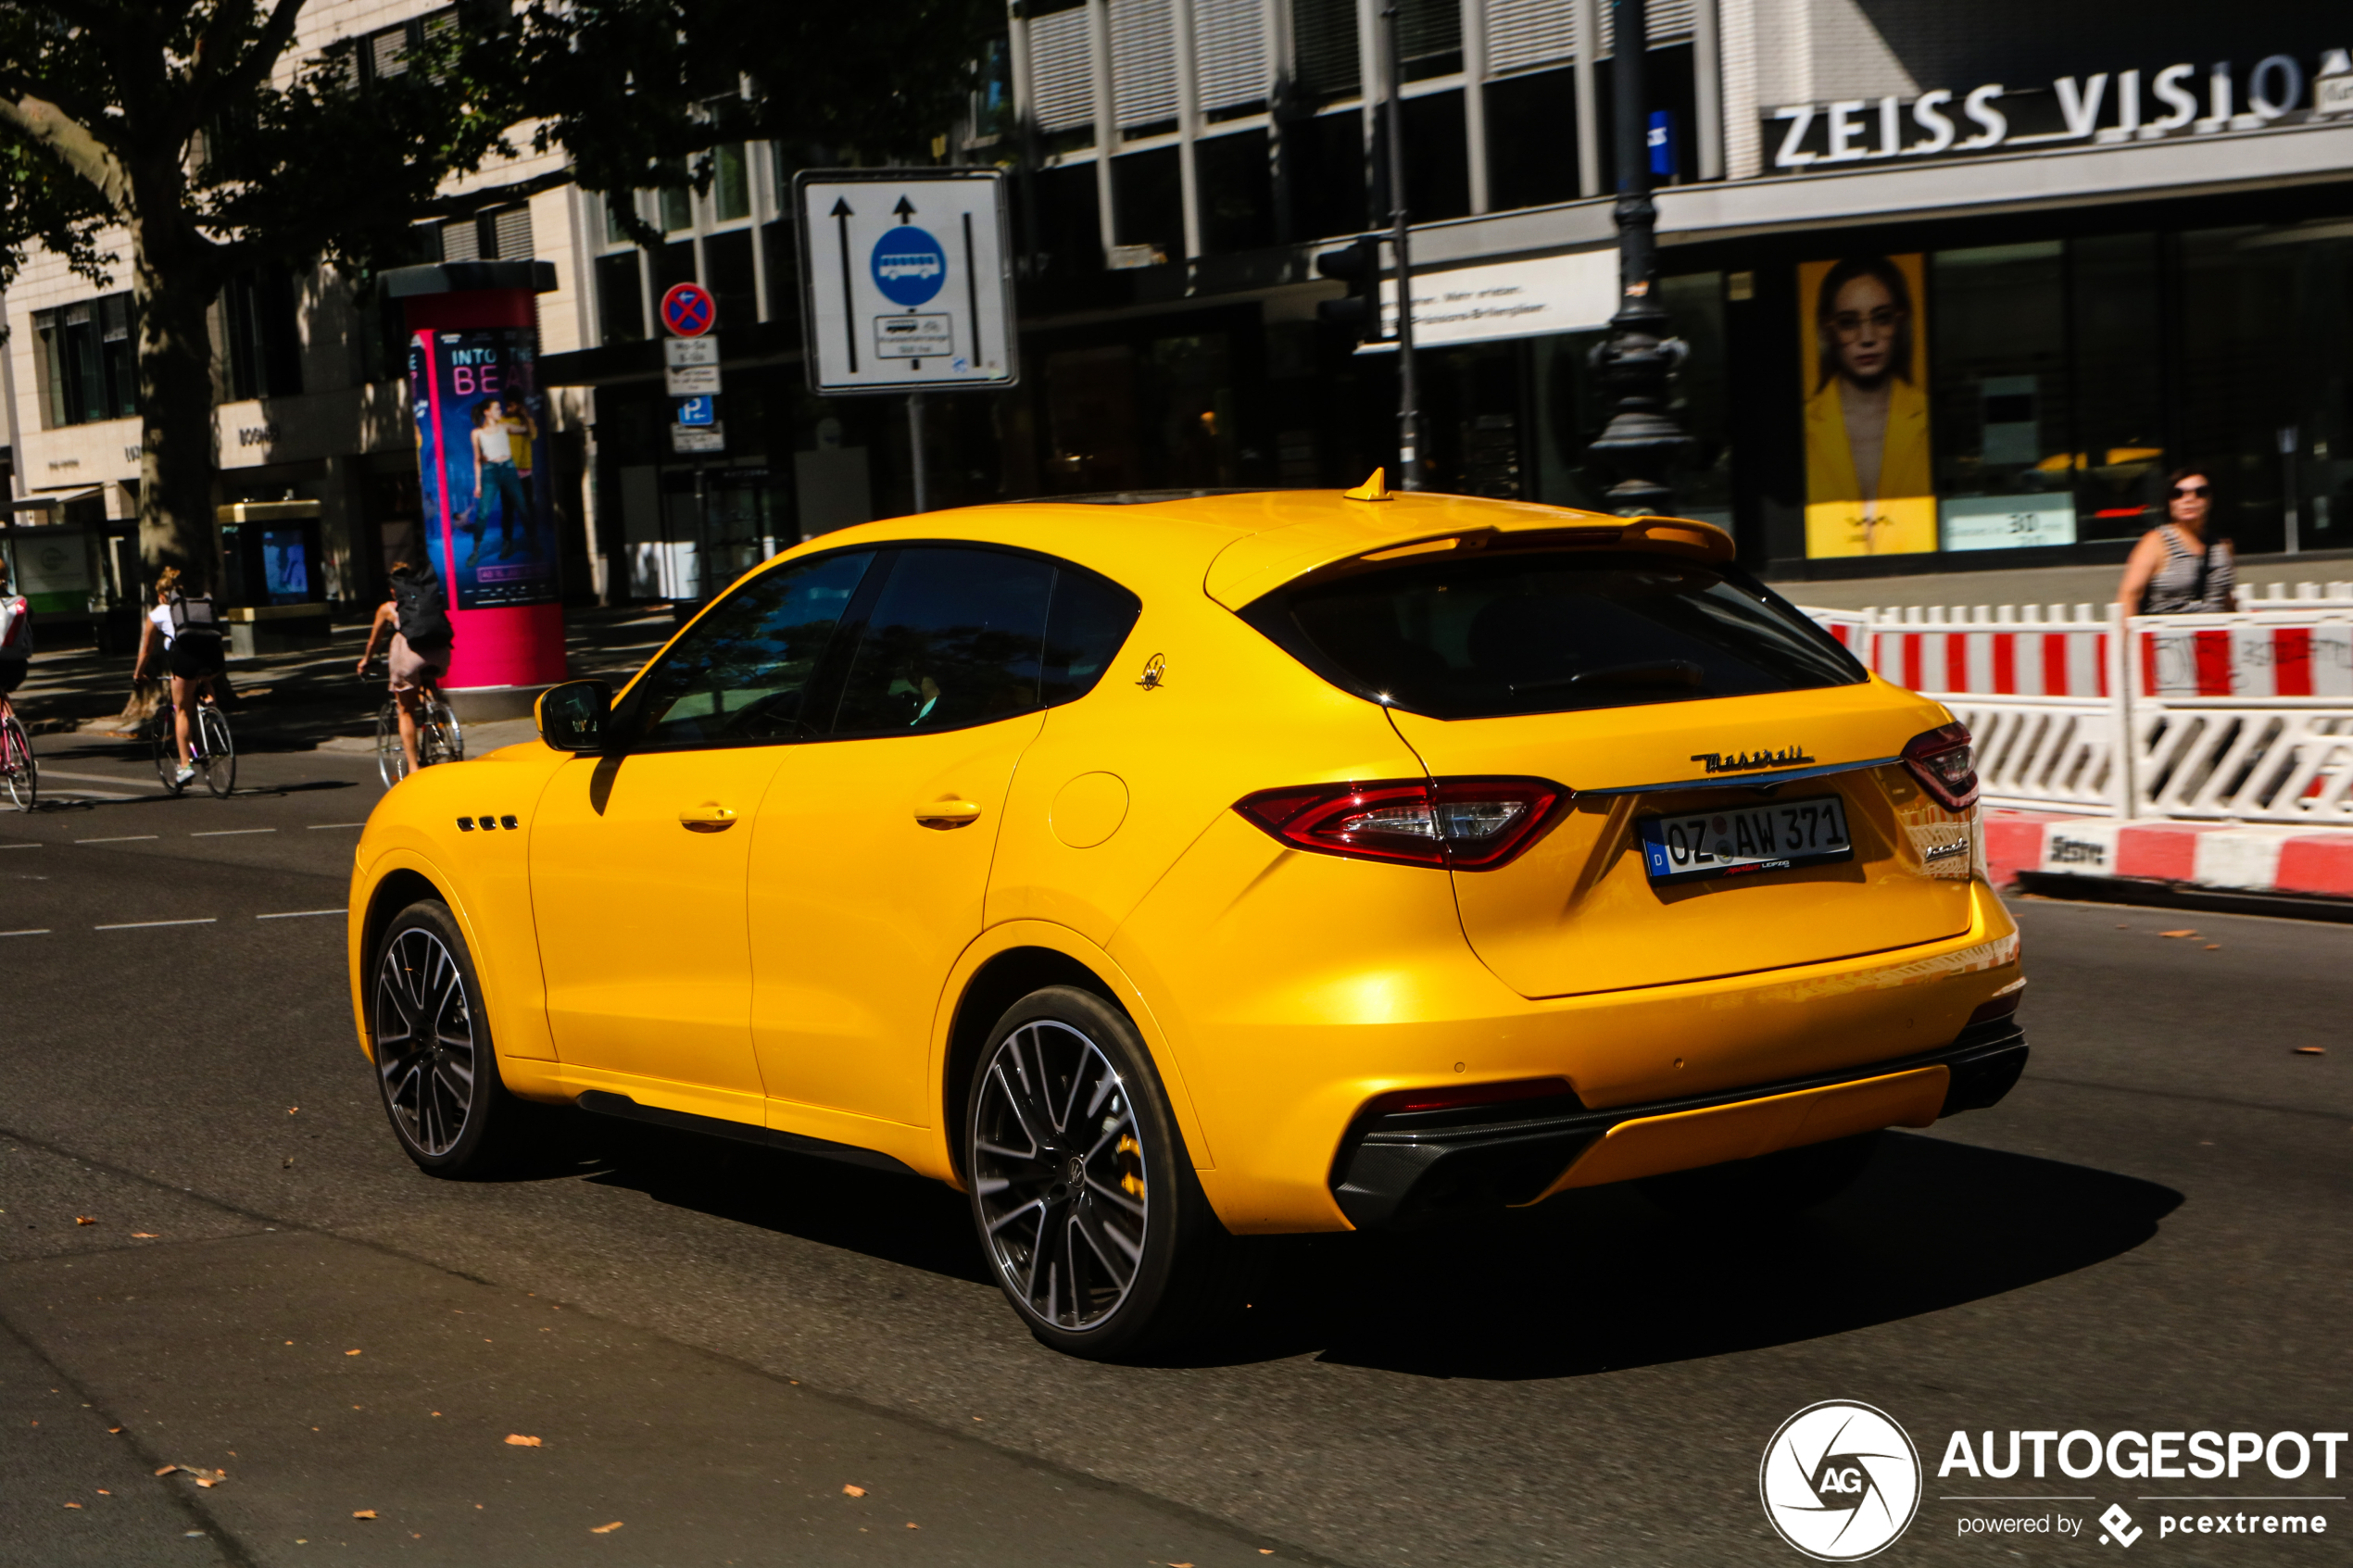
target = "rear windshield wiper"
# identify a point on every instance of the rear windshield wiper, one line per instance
(1653, 672)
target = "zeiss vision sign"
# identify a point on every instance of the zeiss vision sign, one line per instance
(2103, 109)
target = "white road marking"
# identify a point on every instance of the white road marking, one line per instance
(126, 838)
(19, 846)
(298, 914)
(37, 931)
(151, 924)
(229, 833)
(316, 826)
(88, 778)
(71, 793)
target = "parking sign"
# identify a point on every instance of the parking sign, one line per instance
(906, 280)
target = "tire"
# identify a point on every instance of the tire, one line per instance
(219, 768)
(1783, 1182)
(392, 763)
(166, 746)
(430, 1037)
(16, 762)
(1128, 1260)
(448, 740)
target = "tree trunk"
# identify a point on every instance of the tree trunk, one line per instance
(174, 283)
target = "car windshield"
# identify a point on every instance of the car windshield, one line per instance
(1549, 632)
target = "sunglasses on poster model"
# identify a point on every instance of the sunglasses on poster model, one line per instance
(2193, 491)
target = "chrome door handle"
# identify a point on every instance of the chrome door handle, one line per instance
(947, 813)
(709, 817)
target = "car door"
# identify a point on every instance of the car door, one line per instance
(870, 859)
(638, 857)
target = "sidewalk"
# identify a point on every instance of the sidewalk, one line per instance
(2227, 860)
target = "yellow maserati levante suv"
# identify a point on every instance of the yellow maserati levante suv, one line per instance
(1205, 865)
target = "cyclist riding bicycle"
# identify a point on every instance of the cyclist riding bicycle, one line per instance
(193, 654)
(15, 640)
(417, 610)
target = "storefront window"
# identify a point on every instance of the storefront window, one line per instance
(2002, 399)
(1572, 405)
(2113, 296)
(2264, 320)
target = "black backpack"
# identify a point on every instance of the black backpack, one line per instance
(193, 615)
(422, 610)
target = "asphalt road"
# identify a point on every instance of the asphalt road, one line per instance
(710, 1342)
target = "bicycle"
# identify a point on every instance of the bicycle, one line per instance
(439, 737)
(212, 749)
(18, 769)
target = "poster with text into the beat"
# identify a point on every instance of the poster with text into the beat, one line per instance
(482, 459)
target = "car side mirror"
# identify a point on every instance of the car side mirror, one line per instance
(572, 717)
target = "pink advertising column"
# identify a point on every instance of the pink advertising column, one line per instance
(483, 454)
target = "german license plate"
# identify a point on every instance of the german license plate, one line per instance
(1740, 840)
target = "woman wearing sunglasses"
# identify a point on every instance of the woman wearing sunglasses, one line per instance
(2180, 568)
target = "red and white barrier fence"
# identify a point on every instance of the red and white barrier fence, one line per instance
(2244, 717)
(2218, 856)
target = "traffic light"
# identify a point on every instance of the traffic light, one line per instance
(1358, 265)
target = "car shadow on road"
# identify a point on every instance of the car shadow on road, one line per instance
(900, 1219)
(1602, 1280)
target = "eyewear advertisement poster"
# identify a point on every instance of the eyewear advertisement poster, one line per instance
(482, 459)
(1868, 490)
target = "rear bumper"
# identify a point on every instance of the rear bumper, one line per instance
(1392, 1169)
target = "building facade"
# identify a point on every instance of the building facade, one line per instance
(1959, 287)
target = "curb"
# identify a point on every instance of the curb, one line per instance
(2225, 856)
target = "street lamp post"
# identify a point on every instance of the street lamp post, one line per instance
(1409, 414)
(1636, 361)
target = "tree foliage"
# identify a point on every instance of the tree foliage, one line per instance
(196, 129)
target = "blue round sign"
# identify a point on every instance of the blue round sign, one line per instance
(909, 266)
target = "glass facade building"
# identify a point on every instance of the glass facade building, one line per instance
(2095, 286)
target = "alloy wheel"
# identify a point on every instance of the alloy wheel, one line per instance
(425, 1054)
(1058, 1173)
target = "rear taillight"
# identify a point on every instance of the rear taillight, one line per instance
(1946, 763)
(1469, 824)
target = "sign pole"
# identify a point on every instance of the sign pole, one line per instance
(915, 448)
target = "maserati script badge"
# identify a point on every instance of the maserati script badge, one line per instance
(1749, 761)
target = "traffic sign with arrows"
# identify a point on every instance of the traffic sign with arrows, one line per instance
(907, 279)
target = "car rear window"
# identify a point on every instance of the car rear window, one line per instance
(1549, 632)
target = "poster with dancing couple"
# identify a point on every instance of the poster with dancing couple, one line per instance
(482, 457)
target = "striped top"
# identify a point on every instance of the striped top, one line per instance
(2173, 590)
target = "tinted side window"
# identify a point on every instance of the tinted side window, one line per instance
(739, 677)
(954, 639)
(1090, 618)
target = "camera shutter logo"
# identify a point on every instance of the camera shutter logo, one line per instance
(1840, 1481)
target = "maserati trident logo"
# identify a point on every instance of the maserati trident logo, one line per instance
(1840, 1481)
(1749, 761)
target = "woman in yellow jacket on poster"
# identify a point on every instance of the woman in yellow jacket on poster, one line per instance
(1868, 486)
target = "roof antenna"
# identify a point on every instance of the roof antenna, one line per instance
(1374, 489)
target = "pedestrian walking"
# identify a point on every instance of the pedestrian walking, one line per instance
(2179, 568)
